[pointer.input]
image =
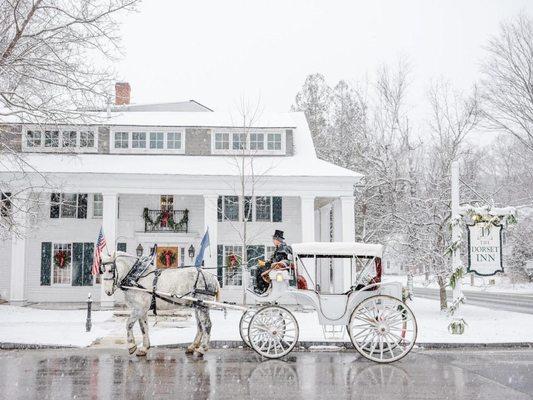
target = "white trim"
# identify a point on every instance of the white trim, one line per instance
(59, 149)
(248, 151)
(148, 130)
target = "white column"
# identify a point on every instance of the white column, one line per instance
(307, 210)
(344, 231)
(211, 222)
(348, 219)
(18, 257)
(307, 220)
(109, 224)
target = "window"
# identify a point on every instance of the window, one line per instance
(173, 140)
(232, 263)
(388, 264)
(257, 141)
(222, 141)
(138, 140)
(274, 141)
(263, 209)
(157, 140)
(98, 205)
(51, 139)
(68, 205)
(62, 263)
(5, 204)
(86, 139)
(231, 208)
(239, 141)
(121, 140)
(167, 202)
(33, 139)
(70, 138)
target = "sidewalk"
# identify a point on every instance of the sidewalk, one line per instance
(24, 325)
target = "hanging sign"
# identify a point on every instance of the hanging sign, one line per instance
(485, 249)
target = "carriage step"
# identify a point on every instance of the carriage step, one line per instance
(333, 331)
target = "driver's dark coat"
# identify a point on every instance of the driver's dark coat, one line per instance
(282, 254)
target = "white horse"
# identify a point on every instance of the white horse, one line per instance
(176, 281)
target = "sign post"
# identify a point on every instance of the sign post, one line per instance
(456, 232)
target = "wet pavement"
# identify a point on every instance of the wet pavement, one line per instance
(240, 374)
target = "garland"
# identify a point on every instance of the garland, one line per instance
(61, 259)
(167, 258)
(166, 219)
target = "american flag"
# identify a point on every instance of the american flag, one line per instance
(100, 244)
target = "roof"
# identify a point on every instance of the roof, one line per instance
(177, 106)
(338, 249)
(303, 162)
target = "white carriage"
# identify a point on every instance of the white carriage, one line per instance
(380, 325)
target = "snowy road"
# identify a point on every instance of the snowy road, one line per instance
(239, 374)
(517, 302)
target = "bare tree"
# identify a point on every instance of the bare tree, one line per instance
(507, 83)
(53, 56)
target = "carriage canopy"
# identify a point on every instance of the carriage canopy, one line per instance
(337, 249)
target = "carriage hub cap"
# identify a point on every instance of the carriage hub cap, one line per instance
(382, 328)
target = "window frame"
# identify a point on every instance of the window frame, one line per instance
(148, 131)
(234, 133)
(101, 200)
(52, 266)
(62, 202)
(241, 211)
(75, 143)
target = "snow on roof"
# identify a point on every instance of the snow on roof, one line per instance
(177, 106)
(303, 162)
(338, 249)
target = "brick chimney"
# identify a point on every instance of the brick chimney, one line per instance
(122, 93)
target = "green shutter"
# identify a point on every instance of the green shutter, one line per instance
(220, 262)
(254, 253)
(88, 253)
(46, 262)
(219, 208)
(277, 209)
(55, 200)
(82, 205)
(77, 264)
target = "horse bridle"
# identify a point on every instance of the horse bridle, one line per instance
(114, 278)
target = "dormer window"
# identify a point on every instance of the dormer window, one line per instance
(62, 139)
(263, 141)
(143, 140)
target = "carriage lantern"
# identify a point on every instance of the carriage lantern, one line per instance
(191, 252)
(139, 250)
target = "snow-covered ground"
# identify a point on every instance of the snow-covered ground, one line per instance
(67, 327)
(501, 283)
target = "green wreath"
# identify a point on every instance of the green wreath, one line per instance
(171, 257)
(175, 226)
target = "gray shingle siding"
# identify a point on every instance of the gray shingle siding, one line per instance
(289, 142)
(11, 137)
(197, 142)
(103, 140)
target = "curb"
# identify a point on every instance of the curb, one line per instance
(301, 345)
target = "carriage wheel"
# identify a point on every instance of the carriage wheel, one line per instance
(244, 324)
(382, 329)
(273, 332)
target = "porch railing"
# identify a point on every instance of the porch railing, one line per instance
(166, 221)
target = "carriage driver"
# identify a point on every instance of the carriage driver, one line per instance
(281, 258)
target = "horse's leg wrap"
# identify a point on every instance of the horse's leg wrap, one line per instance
(146, 339)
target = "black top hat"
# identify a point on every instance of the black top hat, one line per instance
(278, 235)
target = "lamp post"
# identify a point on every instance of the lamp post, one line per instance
(139, 250)
(88, 322)
(191, 252)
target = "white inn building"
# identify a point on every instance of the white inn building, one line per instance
(161, 174)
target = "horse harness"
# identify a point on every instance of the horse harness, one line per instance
(126, 282)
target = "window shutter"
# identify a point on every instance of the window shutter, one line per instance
(88, 253)
(277, 209)
(77, 264)
(254, 253)
(55, 199)
(220, 263)
(82, 205)
(122, 247)
(219, 208)
(46, 261)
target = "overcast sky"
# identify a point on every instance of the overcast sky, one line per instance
(218, 51)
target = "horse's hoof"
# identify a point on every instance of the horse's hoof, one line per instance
(132, 349)
(198, 354)
(141, 352)
(189, 352)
